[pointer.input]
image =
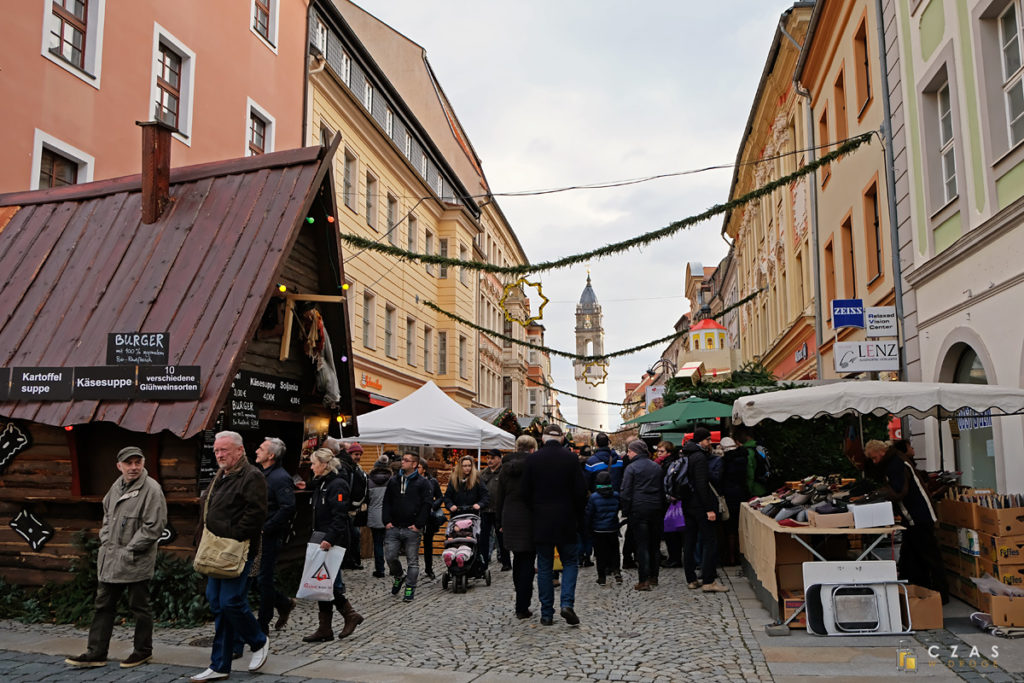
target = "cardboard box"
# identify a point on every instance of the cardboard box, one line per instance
(1001, 522)
(967, 591)
(1005, 611)
(839, 520)
(946, 536)
(1002, 549)
(872, 515)
(967, 540)
(925, 609)
(970, 566)
(957, 513)
(790, 576)
(789, 551)
(790, 601)
(1011, 575)
(950, 559)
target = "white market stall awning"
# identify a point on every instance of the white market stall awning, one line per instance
(429, 417)
(913, 399)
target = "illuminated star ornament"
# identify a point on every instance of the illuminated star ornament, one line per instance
(598, 377)
(525, 283)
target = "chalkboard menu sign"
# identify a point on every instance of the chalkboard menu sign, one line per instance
(5, 383)
(113, 383)
(207, 461)
(257, 387)
(138, 348)
(243, 415)
(169, 382)
(41, 384)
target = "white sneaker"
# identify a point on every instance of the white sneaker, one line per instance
(208, 675)
(259, 658)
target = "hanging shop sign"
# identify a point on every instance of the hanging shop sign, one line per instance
(968, 419)
(880, 321)
(138, 348)
(41, 384)
(257, 387)
(104, 383)
(867, 356)
(169, 382)
(800, 354)
(243, 415)
(847, 313)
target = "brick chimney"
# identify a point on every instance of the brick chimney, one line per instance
(156, 169)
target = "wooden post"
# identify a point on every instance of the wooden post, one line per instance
(156, 169)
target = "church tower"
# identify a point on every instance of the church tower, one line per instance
(590, 342)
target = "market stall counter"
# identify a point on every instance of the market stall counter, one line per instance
(773, 556)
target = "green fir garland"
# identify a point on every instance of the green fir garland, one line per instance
(585, 398)
(639, 241)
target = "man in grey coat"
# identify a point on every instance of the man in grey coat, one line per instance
(134, 517)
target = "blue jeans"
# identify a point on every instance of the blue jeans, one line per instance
(403, 539)
(229, 605)
(569, 554)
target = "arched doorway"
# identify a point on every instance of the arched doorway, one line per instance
(975, 449)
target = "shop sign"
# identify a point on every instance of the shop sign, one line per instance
(138, 348)
(5, 383)
(801, 353)
(207, 460)
(105, 383)
(968, 419)
(243, 415)
(169, 382)
(655, 392)
(370, 382)
(260, 388)
(847, 313)
(880, 321)
(869, 356)
(40, 384)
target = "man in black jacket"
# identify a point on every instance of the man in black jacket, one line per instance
(643, 503)
(554, 490)
(406, 506)
(280, 511)
(700, 507)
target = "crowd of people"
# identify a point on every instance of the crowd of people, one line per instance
(542, 511)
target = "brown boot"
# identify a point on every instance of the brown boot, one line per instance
(323, 632)
(352, 619)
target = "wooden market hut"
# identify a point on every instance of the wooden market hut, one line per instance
(211, 265)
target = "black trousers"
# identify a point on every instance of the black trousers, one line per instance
(647, 530)
(674, 546)
(270, 597)
(697, 524)
(107, 596)
(920, 562)
(606, 553)
(524, 563)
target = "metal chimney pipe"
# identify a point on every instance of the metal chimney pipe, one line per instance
(156, 169)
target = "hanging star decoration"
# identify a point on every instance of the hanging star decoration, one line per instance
(599, 379)
(34, 530)
(510, 287)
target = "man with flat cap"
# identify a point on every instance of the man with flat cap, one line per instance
(134, 517)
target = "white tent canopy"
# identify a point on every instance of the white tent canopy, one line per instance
(429, 417)
(913, 399)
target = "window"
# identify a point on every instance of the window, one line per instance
(428, 248)
(325, 134)
(439, 186)
(346, 69)
(849, 259)
(411, 232)
(507, 331)
(408, 145)
(506, 392)
(862, 67)
(428, 348)
(73, 36)
(872, 233)
(801, 292)
(463, 271)
(442, 251)
(172, 85)
(442, 353)
(320, 37)
(462, 357)
(261, 17)
(423, 165)
(369, 315)
(389, 330)
(392, 218)
(56, 163)
(825, 170)
(1013, 84)
(410, 341)
(260, 137)
(368, 96)
(830, 277)
(389, 122)
(371, 200)
(839, 93)
(946, 151)
(348, 180)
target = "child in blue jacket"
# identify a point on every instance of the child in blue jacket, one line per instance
(601, 522)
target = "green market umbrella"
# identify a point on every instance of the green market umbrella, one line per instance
(687, 411)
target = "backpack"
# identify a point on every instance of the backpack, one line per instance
(716, 468)
(677, 479)
(762, 466)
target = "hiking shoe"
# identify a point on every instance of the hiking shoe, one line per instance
(283, 614)
(653, 582)
(135, 659)
(396, 585)
(714, 587)
(409, 593)
(600, 581)
(569, 614)
(693, 585)
(86, 660)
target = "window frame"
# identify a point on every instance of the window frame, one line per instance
(389, 122)
(42, 140)
(410, 341)
(186, 102)
(390, 333)
(463, 271)
(463, 356)
(1016, 78)
(442, 352)
(370, 203)
(369, 313)
(350, 180)
(428, 348)
(368, 96)
(862, 67)
(411, 233)
(391, 218)
(442, 251)
(428, 248)
(946, 149)
(91, 68)
(273, 15)
(254, 110)
(321, 40)
(873, 234)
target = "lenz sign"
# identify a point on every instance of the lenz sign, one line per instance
(870, 356)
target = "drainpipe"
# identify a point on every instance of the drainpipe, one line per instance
(816, 257)
(890, 189)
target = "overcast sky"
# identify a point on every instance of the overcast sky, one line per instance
(567, 92)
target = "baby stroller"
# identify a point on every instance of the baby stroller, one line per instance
(461, 555)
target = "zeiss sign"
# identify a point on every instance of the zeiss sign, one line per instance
(847, 313)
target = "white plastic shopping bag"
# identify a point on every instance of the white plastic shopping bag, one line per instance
(319, 572)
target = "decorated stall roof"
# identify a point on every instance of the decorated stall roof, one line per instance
(78, 264)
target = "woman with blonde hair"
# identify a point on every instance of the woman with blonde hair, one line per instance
(331, 527)
(465, 493)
